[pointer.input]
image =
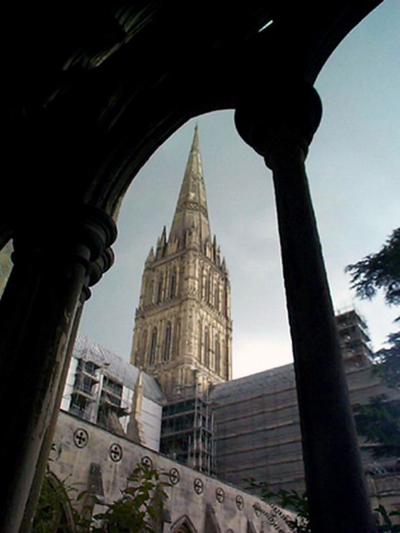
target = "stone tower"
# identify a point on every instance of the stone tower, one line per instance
(183, 328)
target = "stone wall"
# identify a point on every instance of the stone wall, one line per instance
(85, 454)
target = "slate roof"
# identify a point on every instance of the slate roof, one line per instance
(277, 378)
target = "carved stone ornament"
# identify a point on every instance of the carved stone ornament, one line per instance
(257, 509)
(81, 438)
(174, 476)
(198, 486)
(220, 494)
(146, 461)
(239, 502)
(115, 452)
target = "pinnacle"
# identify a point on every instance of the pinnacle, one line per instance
(191, 210)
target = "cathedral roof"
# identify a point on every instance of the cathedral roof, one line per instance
(249, 386)
(191, 211)
(117, 368)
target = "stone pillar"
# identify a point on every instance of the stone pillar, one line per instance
(281, 131)
(56, 256)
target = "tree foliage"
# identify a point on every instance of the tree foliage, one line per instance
(388, 361)
(287, 499)
(379, 271)
(140, 505)
(379, 422)
(55, 512)
(136, 511)
(298, 503)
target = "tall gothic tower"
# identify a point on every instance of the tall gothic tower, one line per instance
(183, 328)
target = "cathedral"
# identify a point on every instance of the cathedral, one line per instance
(183, 330)
(175, 405)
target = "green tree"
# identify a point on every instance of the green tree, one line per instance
(379, 420)
(388, 361)
(379, 271)
(298, 503)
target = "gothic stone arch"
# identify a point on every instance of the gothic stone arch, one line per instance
(183, 525)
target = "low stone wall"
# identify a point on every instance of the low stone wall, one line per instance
(85, 454)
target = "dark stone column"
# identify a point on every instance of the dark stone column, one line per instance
(281, 131)
(55, 258)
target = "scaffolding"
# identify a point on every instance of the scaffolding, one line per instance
(187, 431)
(354, 338)
(96, 396)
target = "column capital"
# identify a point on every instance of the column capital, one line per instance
(58, 235)
(279, 120)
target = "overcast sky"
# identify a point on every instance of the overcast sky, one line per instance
(353, 168)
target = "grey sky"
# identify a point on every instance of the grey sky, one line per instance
(353, 168)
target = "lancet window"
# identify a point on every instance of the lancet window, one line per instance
(177, 338)
(200, 346)
(172, 284)
(207, 347)
(217, 355)
(167, 342)
(153, 347)
(160, 289)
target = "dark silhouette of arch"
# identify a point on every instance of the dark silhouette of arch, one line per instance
(93, 121)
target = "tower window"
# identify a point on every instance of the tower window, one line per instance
(172, 284)
(200, 342)
(216, 298)
(153, 347)
(206, 348)
(160, 290)
(167, 343)
(177, 338)
(142, 353)
(217, 356)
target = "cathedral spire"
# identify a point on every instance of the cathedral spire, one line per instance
(191, 211)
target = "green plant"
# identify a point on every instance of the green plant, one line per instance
(387, 525)
(55, 512)
(379, 422)
(287, 499)
(298, 503)
(379, 271)
(136, 511)
(139, 507)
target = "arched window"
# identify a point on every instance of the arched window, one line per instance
(203, 284)
(167, 342)
(142, 353)
(183, 525)
(153, 347)
(217, 355)
(208, 288)
(172, 284)
(216, 296)
(150, 294)
(200, 346)
(177, 338)
(160, 289)
(206, 347)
